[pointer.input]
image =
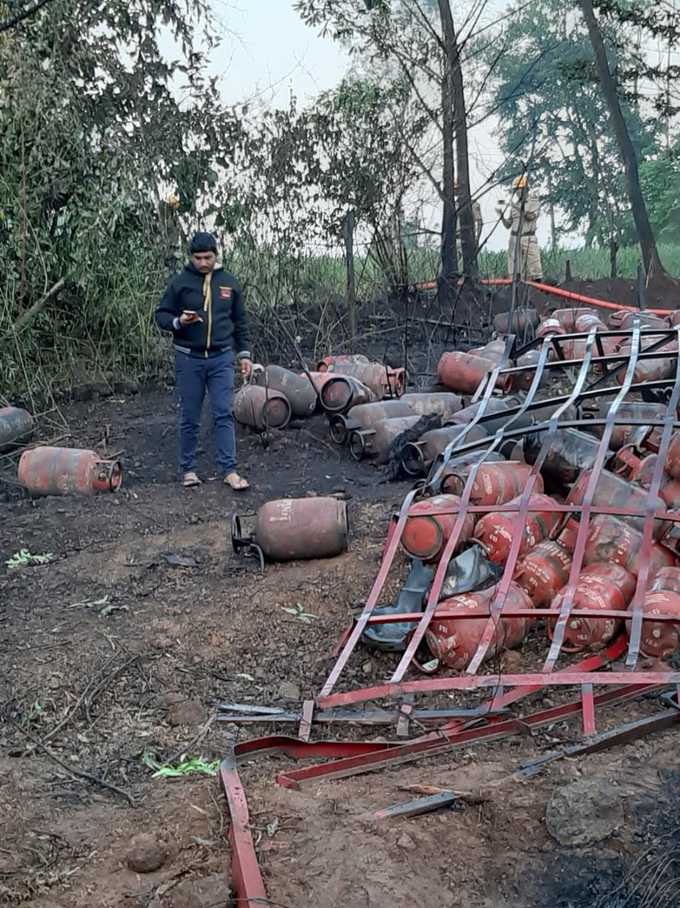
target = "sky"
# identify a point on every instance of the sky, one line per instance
(267, 53)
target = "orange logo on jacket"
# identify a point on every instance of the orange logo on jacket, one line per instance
(225, 293)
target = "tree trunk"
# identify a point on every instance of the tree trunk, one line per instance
(449, 256)
(455, 73)
(650, 254)
(350, 296)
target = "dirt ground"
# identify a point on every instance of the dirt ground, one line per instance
(111, 654)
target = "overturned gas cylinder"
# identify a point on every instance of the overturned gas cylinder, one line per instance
(522, 320)
(340, 359)
(16, 426)
(68, 471)
(433, 403)
(612, 540)
(494, 483)
(660, 364)
(365, 416)
(262, 408)
(384, 381)
(614, 492)
(544, 571)
(454, 641)
(300, 392)
(550, 327)
(567, 317)
(600, 587)
(376, 442)
(495, 532)
(623, 434)
(429, 525)
(292, 529)
(661, 639)
(463, 372)
(341, 392)
(417, 456)
(494, 415)
(569, 453)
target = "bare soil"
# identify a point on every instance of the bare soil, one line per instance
(111, 653)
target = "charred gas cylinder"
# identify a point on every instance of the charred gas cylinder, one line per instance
(673, 457)
(567, 317)
(495, 483)
(586, 322)
(544, 571)
(365, 416)
(494, 414)
(600, 587)
(660, 639)
(670, 492)
(613, 541)
(341, 359)
(646, 321)
(549, 327)
(291, 529)
(570, 452)
(454, 641)
(463, 372)
(68, 471)
(522, 320)
(16, 426)
(299, 391)
(417, 456)
(495, 532)
(382, 380)
(428, 527)
(661, 363)
(344, 391)
(494, 351)
(433, 403)
(523, 380)
(261, 408)
(456, 464)
(613, 492)
(628, 409)
(377, 441)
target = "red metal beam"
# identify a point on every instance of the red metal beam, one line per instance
(245, 871)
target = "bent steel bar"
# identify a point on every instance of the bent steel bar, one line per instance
(444, 741)
(580, 547)
(519, 524)
(245, 871)
(636, 605)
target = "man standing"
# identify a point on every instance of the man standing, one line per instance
(203, 307)
(524, 257)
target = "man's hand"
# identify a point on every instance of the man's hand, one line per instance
(246, 367)
(189, 318)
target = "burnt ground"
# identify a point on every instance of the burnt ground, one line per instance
(111, 653)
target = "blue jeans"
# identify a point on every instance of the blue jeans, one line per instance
(195, 375)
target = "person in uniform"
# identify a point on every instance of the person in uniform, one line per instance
(520, 215)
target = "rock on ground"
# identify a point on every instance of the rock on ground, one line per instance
(584, 812)
(188, 712)
(145, 853)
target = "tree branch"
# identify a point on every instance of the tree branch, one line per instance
(23, 14)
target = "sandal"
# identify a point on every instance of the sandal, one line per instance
(190, 479)
(236, 482)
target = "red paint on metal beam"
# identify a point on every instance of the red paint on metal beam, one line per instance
(245, 871)
(588, 709)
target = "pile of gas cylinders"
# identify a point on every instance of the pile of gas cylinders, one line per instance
(612, 560)
(276, 395)
(45, 470)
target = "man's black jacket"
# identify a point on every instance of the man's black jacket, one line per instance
(218, 299)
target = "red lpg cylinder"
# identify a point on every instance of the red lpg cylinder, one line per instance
(495, 531)
(629, 410)
(670, 492)
(494, 350)
(548, 327)
(340, 359)
(382, 380)
(615, 492)
(262, 408)
(656, 367)
(524, 380)
(586, 322)
(567, 535)
(463, 372)
(567, 317)
(289, 529)
(673, 457)
(426, 531)
(668, 578)
(495, 483)
(68, 471)
(544, 571)
(344, 391)
(600, 587)
(454, 640)
(612, 541)
(660, 639)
